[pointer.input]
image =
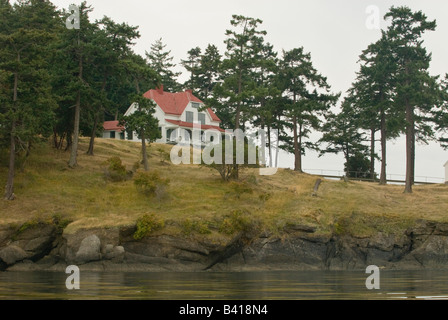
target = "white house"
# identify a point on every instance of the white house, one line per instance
(174, 111)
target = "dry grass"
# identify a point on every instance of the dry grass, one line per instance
(47, 187)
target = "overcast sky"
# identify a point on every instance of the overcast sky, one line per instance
(333, 31)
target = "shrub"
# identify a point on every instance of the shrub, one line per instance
(115, 170)
(147, 224)
(165, 157)
(237, 221)
(150, 183)
(189, 226)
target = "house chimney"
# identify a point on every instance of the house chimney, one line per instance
(160, 89)
(189, 91)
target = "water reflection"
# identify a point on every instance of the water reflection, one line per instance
(225, 285)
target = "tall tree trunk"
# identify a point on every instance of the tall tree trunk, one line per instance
(9, 189)
(372, 153)
(93, 135)
(410, 144)
(297, 158)
(235, 173)
(144, 153)
(383, 178)
(74, 151)
(96, 120)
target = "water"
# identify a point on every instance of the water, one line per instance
(306, 285)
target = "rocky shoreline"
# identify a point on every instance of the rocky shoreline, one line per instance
(43, 247)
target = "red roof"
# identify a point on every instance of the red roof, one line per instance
(175, 103)
(191, 125)
(112, 126)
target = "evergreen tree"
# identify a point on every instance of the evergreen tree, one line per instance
(27, 104)
(372, 95)
(192, 65)
(415, 90)
(142, 120)
(75, 76)
(440, 115)
(266, 94)
(209, 69)
(112, 43)
(306, 105)
(236, 88)
(160, 61)
(341, 136)
(144, 123)
(241, 59)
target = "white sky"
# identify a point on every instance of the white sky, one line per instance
(333, 31)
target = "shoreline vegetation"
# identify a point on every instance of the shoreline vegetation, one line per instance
(46, 188)
(198, 222)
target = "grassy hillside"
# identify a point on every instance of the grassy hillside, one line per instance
(197, 202)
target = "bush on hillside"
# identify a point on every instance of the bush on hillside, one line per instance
(115, 170)
(150, 183)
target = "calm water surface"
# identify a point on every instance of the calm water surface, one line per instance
(225, 286)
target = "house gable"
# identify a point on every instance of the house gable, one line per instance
(177, 103)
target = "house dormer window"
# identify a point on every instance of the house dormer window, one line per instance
(189, 116)
(201, 118)
(195, 105)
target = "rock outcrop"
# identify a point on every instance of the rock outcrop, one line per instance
(424, 246)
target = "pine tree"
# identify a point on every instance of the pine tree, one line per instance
(161, 62)
(144, 123)
(416, 91)
(27, 103)
(192, 65)
(209, 69)
(440, 115)
(112, 43)
(237, 68)
(306, 105)
(342, 136)
(142, 120)
(75, 76)
(372, 95)
(237, 84)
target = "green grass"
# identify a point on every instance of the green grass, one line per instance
(196, 201)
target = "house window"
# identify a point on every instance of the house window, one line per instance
(189, 116)
(168, 134)
(112, 134)
(188, 134)
(122, 135)
(195, 105)
(201, 118)
(130, 135)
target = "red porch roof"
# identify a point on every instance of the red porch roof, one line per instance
(112, 126)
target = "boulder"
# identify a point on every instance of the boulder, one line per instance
(12, 254)
(89, 250)
(118, 253)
